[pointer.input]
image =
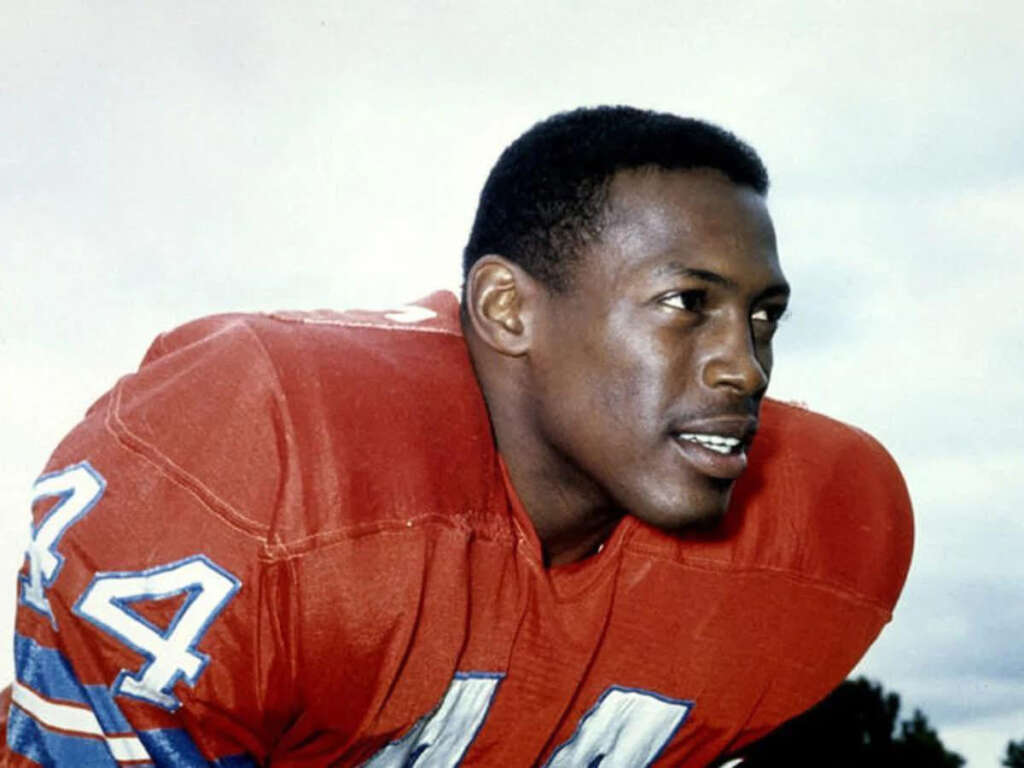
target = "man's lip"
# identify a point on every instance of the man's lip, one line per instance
(742, 428)
(723, 466)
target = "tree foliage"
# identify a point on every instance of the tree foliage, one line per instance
(1014, 754)
(856, 725)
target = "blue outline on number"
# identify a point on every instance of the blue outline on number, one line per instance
(194, 589)
(597, 704)
(25, 580)
(192, 592)
(500, 677)
(419, 749)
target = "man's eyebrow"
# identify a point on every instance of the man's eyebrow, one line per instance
(674, 268)
(779, 289)
(677, 269)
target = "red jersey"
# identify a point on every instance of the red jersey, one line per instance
(288, 540)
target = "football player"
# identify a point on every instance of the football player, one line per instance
(556, 523)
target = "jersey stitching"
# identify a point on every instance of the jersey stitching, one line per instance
(273, 537)
(174, 473)
(277, 549)
(280, 551)
(712, 565)
(363, 324)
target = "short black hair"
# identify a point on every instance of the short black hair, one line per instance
(544, 197)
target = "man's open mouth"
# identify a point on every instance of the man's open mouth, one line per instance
(717, 443)
(714, 454)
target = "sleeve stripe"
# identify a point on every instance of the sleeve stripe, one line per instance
(75, 720)
(65, 717)
(58, 721)
(46, 670)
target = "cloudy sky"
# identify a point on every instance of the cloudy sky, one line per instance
(160, 161)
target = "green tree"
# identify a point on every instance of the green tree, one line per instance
(1014, 754)
(853, 727)
(919, 744)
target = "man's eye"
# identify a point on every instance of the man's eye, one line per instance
(767, 314)
(691, 301)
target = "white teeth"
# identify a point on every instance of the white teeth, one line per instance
(717, 443)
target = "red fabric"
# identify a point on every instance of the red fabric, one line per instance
(341, 466)
(5, 705)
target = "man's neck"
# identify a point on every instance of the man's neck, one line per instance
(572, 517)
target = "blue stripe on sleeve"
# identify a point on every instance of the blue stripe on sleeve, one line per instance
(49, 748)
(173, 748)
(107, 712)
(46, 671)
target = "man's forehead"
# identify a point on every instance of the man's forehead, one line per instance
(667, 219)
(706, 193)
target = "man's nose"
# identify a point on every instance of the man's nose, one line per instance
(732, 361)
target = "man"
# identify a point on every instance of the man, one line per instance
(509, 533)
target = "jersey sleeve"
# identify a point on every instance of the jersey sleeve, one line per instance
(148, 627)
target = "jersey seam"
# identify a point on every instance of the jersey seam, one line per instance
(174, 473)
(277, 549)
(272, 538)
(167, 467)
(283, 617)
(280, 552)
(715, 566)
(304, 320)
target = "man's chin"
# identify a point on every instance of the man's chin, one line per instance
(693, 514)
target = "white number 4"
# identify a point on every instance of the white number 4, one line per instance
(171, 653)
(77, 488)
(626, 728)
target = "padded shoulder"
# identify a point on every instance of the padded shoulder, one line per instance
(838, 498)
(204, 409)
(821, 501)
(337, 423)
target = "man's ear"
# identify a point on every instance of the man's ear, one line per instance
(500, 304)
